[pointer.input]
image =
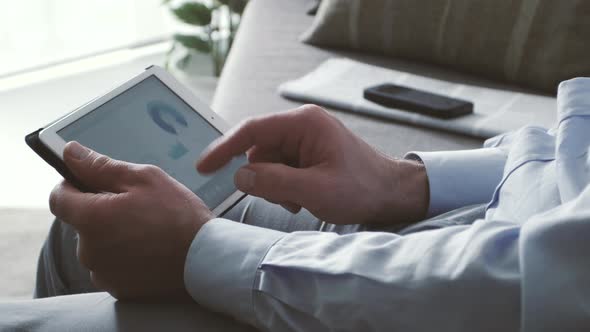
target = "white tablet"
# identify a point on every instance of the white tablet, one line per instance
(151, 119)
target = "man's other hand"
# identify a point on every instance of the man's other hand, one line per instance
(135, 229)
(307, 158)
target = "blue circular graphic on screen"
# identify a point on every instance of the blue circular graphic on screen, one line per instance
(158, 109)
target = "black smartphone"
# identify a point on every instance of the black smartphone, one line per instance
(418, 101)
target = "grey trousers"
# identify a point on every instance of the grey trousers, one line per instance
(67, 300)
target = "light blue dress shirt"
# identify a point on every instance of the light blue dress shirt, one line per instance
(524, 267)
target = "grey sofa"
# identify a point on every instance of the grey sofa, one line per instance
(266, 53)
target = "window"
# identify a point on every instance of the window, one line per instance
(38, 33)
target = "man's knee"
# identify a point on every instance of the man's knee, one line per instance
(58, 270)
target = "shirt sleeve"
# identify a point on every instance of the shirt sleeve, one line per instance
(449, 280)
(461, 178)
(221, 266)
(491, 276)
(555, 270)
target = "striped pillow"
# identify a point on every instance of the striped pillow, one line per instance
(534, 43)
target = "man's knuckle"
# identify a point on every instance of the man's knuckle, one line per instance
(312, 108)
(312, 113)
(106, 208)
(307, 111)
(83, 212)
(270, 182)
(94, 204)
(100, 162)
(151, 171)
(54, 198)
(248, 124)
(130, 173)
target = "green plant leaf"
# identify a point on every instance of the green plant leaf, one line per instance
(236, 6)
(197, 43)
(169, 56)
(215, 4)
(194, 13)
(183, 62)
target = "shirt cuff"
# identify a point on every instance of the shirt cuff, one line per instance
(221, 266)
(461, 178)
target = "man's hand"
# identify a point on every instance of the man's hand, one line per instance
(307, 158)
(135, 230)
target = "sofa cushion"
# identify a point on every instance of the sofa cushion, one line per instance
(535, 43)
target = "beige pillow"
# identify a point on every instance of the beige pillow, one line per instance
(535, 43)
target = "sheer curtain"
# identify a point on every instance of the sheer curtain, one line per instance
(37, 33)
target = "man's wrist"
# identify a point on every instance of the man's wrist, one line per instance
(409, 192)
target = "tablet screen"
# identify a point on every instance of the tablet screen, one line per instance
(150, 124)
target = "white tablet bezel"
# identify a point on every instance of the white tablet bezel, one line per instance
(56, 144)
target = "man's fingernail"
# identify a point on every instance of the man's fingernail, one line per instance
(245, 179)
(77, 151)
